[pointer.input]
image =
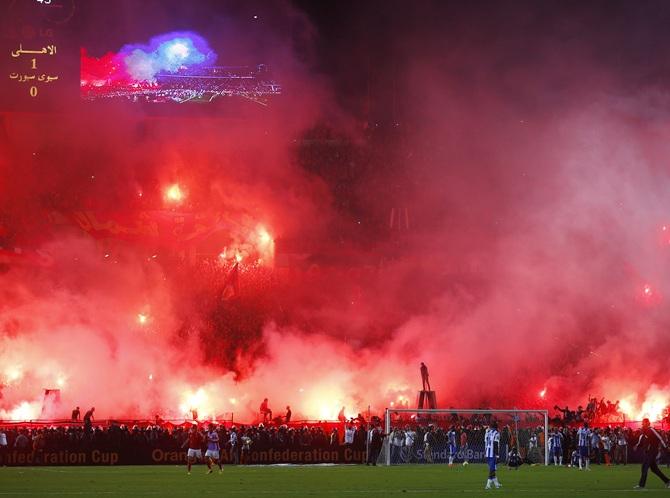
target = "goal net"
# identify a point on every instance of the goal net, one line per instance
(456, 436)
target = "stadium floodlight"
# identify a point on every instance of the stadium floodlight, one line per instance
(456, 435)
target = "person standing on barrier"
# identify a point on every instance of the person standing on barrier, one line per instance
(650, 442)
(88, 425)
(424, 377)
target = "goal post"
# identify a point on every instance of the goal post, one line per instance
(456, 435)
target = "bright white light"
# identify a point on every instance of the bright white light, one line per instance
(174, 194)
(13, 374)
(24, 411)
(60, 381)
(264, 238)
(178, 50)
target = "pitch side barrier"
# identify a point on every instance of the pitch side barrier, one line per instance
(157, 456)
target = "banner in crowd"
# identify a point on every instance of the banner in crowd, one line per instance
(156, 456)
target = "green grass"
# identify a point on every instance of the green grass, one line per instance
(333, 481)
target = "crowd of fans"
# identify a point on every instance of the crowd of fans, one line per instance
(597, 411)
(237, 441)
(418, 442)
(455, 437)
(187, 87)
(607, 445)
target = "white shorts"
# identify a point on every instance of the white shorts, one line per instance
(212, 454)
(192, 453)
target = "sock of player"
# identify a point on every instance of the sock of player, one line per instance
(560, 460)
(489, 482)
(495, 481)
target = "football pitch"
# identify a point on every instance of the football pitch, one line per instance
(326, 481)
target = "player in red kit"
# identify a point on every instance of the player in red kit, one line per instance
(195, 441)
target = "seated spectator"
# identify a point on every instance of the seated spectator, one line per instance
(514, 459)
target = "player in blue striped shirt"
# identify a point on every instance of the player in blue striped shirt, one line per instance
(451, 436)
(583, 441)
(556, 446)
(491, 452)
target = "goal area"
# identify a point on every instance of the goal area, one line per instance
(455, 436)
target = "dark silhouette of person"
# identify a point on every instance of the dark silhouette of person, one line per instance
(341, 416)
(76, 413)
(288, 414)
(424, 376)
(265, 411)
(88, 417)
(376, 439)
(650, 441)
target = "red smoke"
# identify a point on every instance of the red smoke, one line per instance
(526, 260)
